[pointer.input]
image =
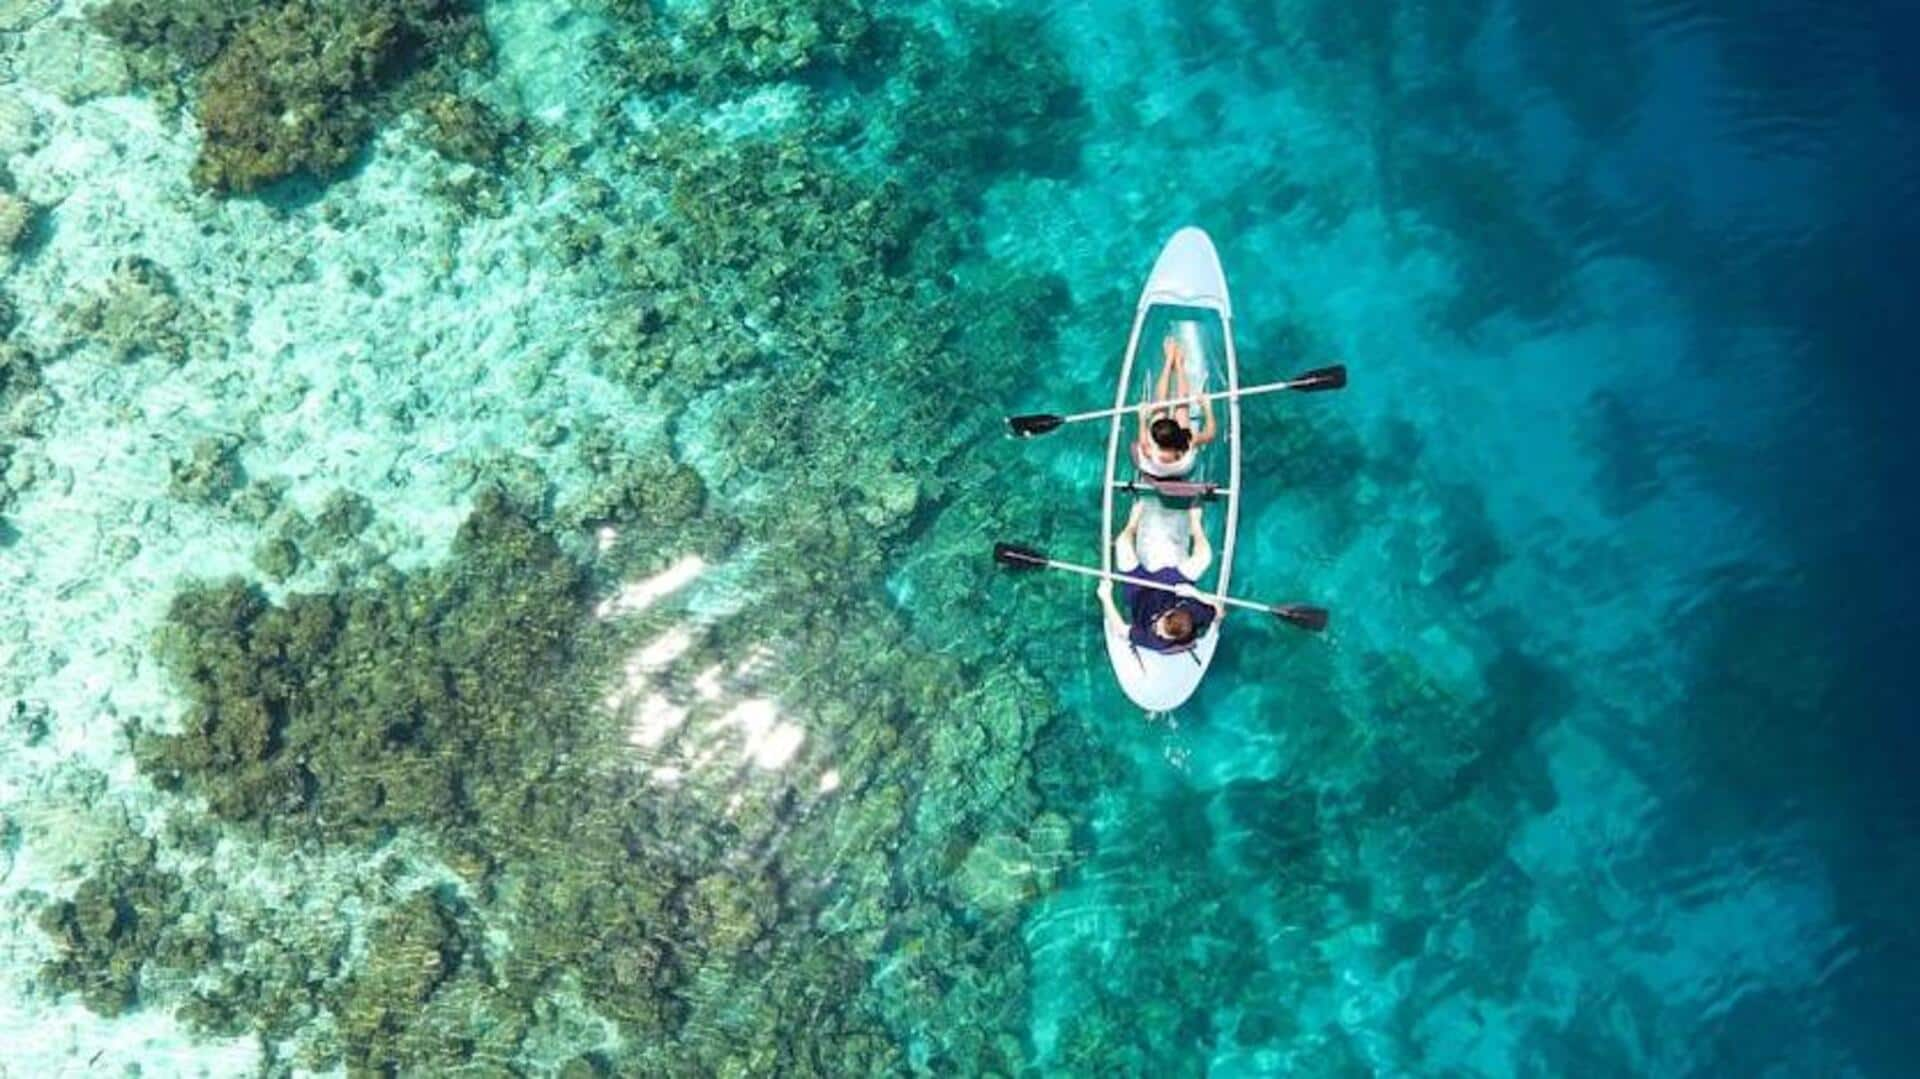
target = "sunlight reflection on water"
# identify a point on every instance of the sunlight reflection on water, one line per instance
(637, 596)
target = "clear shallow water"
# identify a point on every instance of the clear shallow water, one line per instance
(1598, 772)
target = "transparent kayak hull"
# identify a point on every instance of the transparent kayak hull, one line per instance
(1185, 300)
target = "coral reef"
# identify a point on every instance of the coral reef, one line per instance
(463, 129)
(20, 128)
(1000, 106)
(466, 705)
(163, 39)
(422, 704)
(277, 558)
(138, 311)
(1594, 59)
(18, 15)
(19, 376)
(1187, 937)
(28, 722)
(805, 807)
(758, 40)
(66, 58)
(718, 47)
(209, 474)
(16, 220)
(644, 486)
(413, 951)
(113, 926)
(1510, 262)
(24, 406)
(423, 697)
(294, 539)
(342, 517)
(298, 87)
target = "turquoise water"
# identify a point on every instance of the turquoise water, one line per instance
(497, 501)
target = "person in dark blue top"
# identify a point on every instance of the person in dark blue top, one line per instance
(1164, 621)
(1157, 619)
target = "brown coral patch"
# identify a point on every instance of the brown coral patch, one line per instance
(301, 87)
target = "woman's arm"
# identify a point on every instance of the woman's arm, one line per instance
(1126, 552)
(1115, 623)
(1210, 428)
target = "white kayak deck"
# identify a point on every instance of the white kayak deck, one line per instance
(1185, 298)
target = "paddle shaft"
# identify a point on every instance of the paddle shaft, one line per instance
(1177, 589)
(1244, 391)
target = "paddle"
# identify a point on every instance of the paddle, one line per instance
(1014, 556)
(1315, 381)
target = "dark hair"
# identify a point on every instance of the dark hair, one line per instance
(1170, 435)
(1178, 625)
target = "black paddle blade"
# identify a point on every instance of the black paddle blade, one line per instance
(1039, 423)
(1321, 378)
(1311, 619)
(1014, 556)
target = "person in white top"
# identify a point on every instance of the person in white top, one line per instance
(1169, 546)
(1168, 444)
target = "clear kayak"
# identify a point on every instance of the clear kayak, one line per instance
(1183, 309)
